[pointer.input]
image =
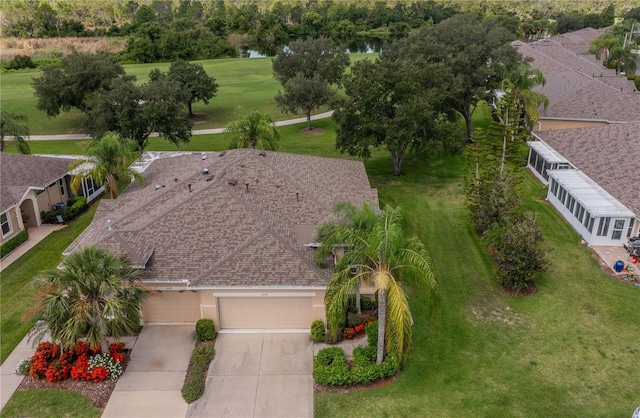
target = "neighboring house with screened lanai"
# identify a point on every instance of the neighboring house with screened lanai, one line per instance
(587, 144)
(32, 184)
(229, 235)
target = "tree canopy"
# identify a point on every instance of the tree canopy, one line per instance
(136, 111)
(15, 125)
(305, 94)
(69, 85)
(254, 129)
(194, 81)
(94, 296)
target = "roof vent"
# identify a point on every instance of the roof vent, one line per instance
(246, 185)
(205, 171)
(175, 180)
(232, 181)
(109, 227)
(189, 187)
(157, 187)
(204, 156)
(262, 153)
(223, 153)
(210, 177)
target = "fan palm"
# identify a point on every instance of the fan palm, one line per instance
(15, 125)
(255, 129)
(107, 160)
(389, 259)
(94, 295)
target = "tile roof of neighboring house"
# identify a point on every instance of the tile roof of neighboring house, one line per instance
(220, 234)
(20, 172)
(609, 155)
(579, 86)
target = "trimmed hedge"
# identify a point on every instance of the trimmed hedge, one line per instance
(317, 331)
(14, 243)
(75, 206)
(193, 387)
(371, 330)
(331, 367)
(205, 330)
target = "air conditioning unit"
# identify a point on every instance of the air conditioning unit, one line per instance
(60, 205)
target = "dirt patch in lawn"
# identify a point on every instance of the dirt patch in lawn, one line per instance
(314, 131)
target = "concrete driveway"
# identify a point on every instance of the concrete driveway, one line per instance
(151, 385)
(258, 375)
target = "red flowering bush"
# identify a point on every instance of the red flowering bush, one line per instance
(50, 363)
(350, 333)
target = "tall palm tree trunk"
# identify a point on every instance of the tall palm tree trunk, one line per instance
(382, 322)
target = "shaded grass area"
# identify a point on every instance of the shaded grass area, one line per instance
(570, 350)
(246, 83)
(17, 288)
(50, 403)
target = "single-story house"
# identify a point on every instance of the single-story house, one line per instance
(581, 91)
(229, 235)
(32, 184)
(592, 175)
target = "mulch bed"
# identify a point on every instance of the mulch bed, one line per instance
(356, 388)
(315, 131)
(99, 393)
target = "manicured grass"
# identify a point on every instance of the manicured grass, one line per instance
(50, 403)
(571, 350)
(247, 83)
(17, 288)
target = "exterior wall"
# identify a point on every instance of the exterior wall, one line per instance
(555, 124)
(51, 195)
(15, 221)
(29, 208)
(592, 238)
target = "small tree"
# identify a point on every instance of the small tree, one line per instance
(15, 125)
(96, 295)
(255, 129)
(194, 80)
(306, 94)
(107, 161)
(520, 255)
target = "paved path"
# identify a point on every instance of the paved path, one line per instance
(151, 385)
(258, 375)
(35, 236)
(194, 132)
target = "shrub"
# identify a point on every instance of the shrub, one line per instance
(22, 369)
(353, 319)
(317, 331)
(14, 243)
(100, 363)
(19, 62)
(371, 329)
(326, 356)
(331, 367)
(75, 206)
(366, 304)
(193, 387)
(205, 330)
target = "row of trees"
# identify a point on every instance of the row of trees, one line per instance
(113, 101)
(614, 47)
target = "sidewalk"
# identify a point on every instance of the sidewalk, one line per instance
(35, 236)
(10, 380)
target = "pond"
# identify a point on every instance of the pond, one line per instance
(355, 45)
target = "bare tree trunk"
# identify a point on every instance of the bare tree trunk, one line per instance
(382, 321)
(358, 309)
(308, 121)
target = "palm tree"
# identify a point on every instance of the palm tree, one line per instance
(14, 124)
(522, 81)
(253, 128)
(107, 160)
(390, 259)
(94, 296)
(351, 222)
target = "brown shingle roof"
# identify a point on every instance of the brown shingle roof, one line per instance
(578, 86)
(609, 155)
(20, 172)
(220, 235)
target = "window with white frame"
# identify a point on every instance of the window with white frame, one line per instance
(618, 227)
(6, 225)
(588, 221)
(603, 226)
(579, 212)
(630, 230)
(61, 185)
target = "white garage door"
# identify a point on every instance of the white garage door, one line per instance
(172, 306)
(264, 312)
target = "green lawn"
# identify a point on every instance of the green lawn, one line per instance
(242, 82)
(16, 286)
(571, 350)
(50, 403)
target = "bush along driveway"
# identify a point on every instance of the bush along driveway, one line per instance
(258, 375)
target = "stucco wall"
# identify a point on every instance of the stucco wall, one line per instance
(16, 225)
(553, 124)
(51, 195)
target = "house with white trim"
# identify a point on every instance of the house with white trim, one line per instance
(30, 184)
(229, 235)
